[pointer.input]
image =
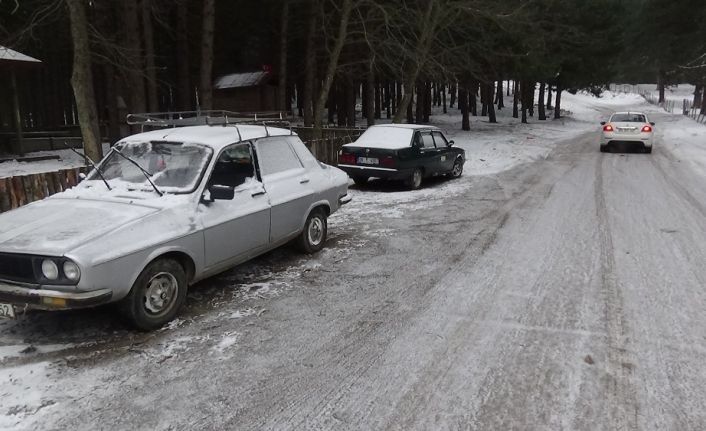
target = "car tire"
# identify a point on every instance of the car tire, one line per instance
(415, 179)
(457, 169)
(648, 150)
(604, 148)
(313, 237)
(360, 181)
(157, 295)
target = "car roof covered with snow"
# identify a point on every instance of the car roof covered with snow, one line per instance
(215, 137)
(408, 126)
(389, 136)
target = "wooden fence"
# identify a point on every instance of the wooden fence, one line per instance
(326, 148)
(21, 190)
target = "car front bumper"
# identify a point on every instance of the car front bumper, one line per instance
(46, 299)
(370, 171)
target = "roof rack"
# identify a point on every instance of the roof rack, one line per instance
(202, 118)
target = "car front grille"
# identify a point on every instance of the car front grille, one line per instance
(16, 267)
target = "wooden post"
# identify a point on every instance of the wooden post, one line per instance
(17, 148)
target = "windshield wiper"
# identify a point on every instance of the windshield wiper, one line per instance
(147, 174)
(93, 165)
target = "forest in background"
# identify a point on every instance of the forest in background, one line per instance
(399, 57)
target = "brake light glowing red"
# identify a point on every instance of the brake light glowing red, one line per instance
(388, 162)
(647, 129)
(607, 128)
(346, 159)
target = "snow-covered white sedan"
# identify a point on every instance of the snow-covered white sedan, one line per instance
(627, 128)
(163, 210)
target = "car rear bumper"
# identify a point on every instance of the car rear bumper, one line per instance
(646, 140)
(370, 171)
(45, 299)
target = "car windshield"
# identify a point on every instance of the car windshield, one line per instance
(628, 118)
(174, 167)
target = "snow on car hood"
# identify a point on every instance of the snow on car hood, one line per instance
(63, 222)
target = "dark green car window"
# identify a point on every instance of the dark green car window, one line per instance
(427, 140)
(440, 140)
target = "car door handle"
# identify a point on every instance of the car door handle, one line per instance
(304, 181)
(258, 193)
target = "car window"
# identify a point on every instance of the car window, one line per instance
(440, 140)
(307, 159)
(234, 166)
(427, 140)
(628, 118)
(276, 155)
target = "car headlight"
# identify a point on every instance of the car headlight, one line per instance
(71, 271)
(50, 270)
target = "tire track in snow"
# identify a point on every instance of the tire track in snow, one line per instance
(620, 384)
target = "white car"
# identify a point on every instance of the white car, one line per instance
(627, 128)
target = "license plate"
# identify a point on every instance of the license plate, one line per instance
(368, 161)
(7, 311)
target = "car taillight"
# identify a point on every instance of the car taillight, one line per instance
(388, 162)
(647, 129)
(346, 159)
(607, 128)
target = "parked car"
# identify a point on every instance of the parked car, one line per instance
(627, 128)
(401, 152)
(163, 210)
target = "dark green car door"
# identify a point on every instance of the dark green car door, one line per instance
(446, 156)
(426, 152)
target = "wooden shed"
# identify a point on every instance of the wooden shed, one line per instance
(246, 92)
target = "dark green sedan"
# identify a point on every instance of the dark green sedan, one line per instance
(404, 152)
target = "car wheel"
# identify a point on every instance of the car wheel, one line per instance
(457, 170)
(313, 236)
(648, 150)
(157, 295)
(415, 179)
(604, 148)
(360, 181)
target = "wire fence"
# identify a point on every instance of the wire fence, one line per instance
(686, 106)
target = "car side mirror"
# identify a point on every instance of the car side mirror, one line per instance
(602, 123)
(451, 143)
(221, 193)
(652, 123)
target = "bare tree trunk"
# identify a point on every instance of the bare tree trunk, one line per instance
(370, 94)
(523, 95)
(413, 66)
(332, 66)
(473, 93)
(207, 30)
(549, 97)
(489, 97)
(82, 81)
(697, 94)
(282, 84)
(183, 89)
(500, 99)
(378, 100)
(111, 102)
(350, 93)
(557, 102)
(310, 67)
(443, 97)
(136, 78)
(661, 84)
(515, 100)
(452, 89)
(463, 106)
(540, 106)
(703, 102)
(151, 69)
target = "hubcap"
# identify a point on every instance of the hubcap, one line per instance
(160, 293)
(417, 178)
(316, 231)
(457, 169)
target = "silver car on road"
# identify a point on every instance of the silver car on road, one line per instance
(163, 210)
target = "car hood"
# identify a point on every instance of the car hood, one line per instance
(54, 227)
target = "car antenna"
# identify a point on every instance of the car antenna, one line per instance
(240, 137)
(88, 160)
(147, 174)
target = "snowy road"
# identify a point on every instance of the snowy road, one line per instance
(566, 293)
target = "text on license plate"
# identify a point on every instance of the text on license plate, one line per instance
(7, 311)
(368, 160)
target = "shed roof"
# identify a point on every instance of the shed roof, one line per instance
(239, 80)
(10, 55)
